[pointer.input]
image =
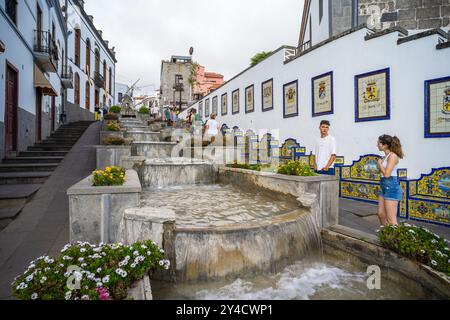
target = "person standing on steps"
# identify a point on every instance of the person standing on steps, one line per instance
(325, 150)
(391, 192)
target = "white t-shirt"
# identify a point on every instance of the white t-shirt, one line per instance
(324, 149)
(213, 127)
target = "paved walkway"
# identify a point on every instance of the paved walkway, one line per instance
(363, 217)
(42, 227)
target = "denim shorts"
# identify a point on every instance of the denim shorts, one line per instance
(390, 189)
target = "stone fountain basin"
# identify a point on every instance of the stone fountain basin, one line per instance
(153, 149)
(159, 173)
(212, 253)
(143, 136)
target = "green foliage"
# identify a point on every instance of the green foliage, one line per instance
(115, 109)
(104, 272)
(111, 176)
(193, 73)
(257, 58)
(296, 168)
(115, 141)
(417, 243)
(113, 126)
(144, 110)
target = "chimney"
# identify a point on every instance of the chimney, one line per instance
(91, 18)
(101, 33)
(81, 2)
(107, 43)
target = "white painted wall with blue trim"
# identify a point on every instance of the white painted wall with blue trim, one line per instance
(411, 64)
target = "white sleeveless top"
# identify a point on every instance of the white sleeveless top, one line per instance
(385, 163)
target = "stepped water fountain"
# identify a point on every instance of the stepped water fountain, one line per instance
(219, 224)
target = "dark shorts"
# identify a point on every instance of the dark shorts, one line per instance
(390, 189)
(329, 172)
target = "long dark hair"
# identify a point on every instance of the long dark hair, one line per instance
(394, 145)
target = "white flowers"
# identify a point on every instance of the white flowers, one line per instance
(149, 253)
(99, 270)
(82, 250)
(43, 279)
(136, 253)
(165, 263)
(67, 258)
(34, 296)
(106, 279)
(433, 241)
(121, 273)
(99, 284)
(434, 263)
(133, 265)
(22, 286)
(144, 247)
(48, 260)
(81, 259)
(68, 295)
(411, 231)
(161, 250)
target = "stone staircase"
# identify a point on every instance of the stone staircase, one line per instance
(22, 176)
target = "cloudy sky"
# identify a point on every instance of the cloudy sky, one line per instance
(224, 34)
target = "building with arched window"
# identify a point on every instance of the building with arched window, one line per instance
(85, 37)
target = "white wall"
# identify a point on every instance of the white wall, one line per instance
(410, 65)
(19, 44)
(77, 20)
(320, 29)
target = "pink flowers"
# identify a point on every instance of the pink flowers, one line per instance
(103, 293)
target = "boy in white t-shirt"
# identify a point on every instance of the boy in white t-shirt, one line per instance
(325, 150)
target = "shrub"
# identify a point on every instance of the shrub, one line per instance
(111, 176)
(112, 126)
(104, 272)
(111, 116)
(115, 141)
(417, 243)
(115, 109)
(144, 110)
(296, 168)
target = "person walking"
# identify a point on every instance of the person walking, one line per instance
(97, 113)
(325, 150)
(211, 128)
(391, 192)
(105, 111)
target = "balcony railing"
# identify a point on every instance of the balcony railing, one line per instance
(99, 80)
(46, 50)
(42, 42)
(67, 77)
(305, 46)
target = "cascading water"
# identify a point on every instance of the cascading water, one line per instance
(229, 243)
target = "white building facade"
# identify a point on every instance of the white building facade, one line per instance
(92, 63)
(408, 70)
(33, 40)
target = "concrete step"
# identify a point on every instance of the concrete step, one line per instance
(16, 195)
(29, 167)
(10, 213)
(33, 160)
(43, 154)
(50, 148)
(61, 140)
(11, 178)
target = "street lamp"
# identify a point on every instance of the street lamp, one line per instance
(179, 87)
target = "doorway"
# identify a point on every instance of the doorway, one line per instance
(11, 108)
(38, 114)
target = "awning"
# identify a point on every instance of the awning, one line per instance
(40, 81)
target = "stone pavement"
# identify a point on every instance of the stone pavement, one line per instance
(363, 217)
(42, 228)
